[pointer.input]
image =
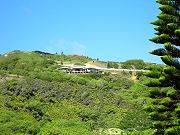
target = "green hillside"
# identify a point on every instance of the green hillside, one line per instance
(37, 99)
(22, 63)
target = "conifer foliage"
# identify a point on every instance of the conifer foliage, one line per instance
(165, 107)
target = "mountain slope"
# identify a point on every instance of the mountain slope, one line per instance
(40, 100)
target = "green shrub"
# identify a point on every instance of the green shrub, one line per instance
(17, 123)
(66, 127)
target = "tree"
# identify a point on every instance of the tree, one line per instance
(165, 106)
(115, 65)
(131, 64)
(62, 57)
(112, 65)
(109, 64)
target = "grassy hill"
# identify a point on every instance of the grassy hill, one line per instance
(37, 60)
(19, 62)
(36, 99)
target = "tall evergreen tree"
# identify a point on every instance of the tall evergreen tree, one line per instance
(165, 106)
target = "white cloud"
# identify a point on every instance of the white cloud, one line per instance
(66, 46)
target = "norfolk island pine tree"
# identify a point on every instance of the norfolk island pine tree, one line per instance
(164, 109)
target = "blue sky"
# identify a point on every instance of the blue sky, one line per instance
(115, 30)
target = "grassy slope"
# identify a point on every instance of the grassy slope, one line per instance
(56, 103)
(37, 57)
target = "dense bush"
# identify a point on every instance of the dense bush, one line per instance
(37, 99)
(133, 64)
(12, 122)
(101, 105)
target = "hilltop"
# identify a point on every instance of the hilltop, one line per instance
(35, 60)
